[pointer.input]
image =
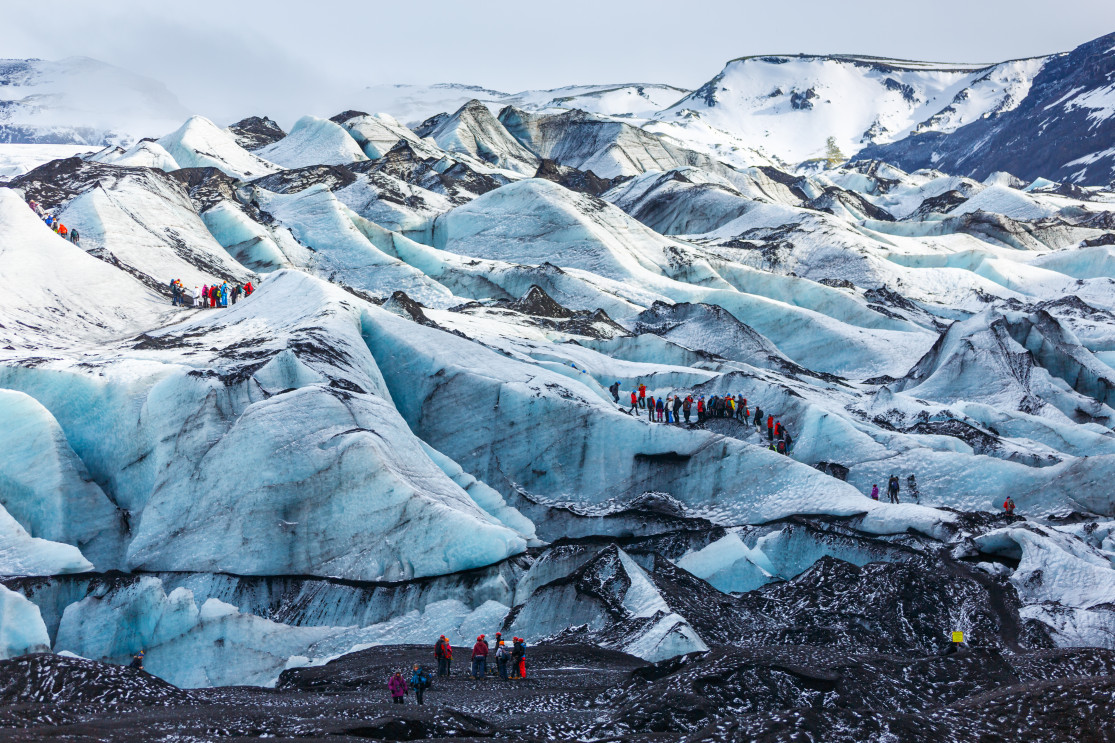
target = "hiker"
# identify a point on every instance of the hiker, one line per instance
(687, 407)
(235, 294)
(195, 295)
(741, 408)
(614, 389)
(1008, 506)
(912, 486)
(502, 657)
(729, 407)
(419, 681)
(874, 492)
(778, 429)
(634, 402)
(224, 295)
(479, 658)
(175, 294)
(650, 408)
(443, 653)
(658, 408)
(700, 408)
(397, 685)
(519, 659)
(137, 661)
(642, 395)
(74, 236)
(770, 428)
(758, 418)
(248, 289)
(780, 447)
(789, 441)
(669, 409)
(677, 407)
(63, 232)
(892, 488)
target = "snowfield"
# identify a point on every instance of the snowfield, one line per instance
(420, 422)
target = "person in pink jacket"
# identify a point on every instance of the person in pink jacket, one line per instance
(397, 685)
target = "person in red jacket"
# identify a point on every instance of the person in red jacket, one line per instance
(642, 395)
(1008, 506)
(479, 658)
(778, 429)
(443, 652)
(248, 289)
(700, 408)
(770, 428)
(634, 401)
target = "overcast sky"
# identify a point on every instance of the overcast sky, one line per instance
(227, 56)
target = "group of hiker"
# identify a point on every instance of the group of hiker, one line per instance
(53, 222)
(893, 487)
(673, 408)
(511, 663)
(210, 295)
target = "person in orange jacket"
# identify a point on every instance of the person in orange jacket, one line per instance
(770, 428)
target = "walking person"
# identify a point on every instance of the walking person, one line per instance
(614, 389)
(419, 681)
(642, 395)
(892, 488)
(1008, 507)
(874, 492)
(634, 402)
(687, 407)
(397, 685)
(659, 408)
(677, 408)
(700, 408)
(650, 408)
(912, 486)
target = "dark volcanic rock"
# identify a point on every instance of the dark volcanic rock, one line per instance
(254, 132)
(584, 181)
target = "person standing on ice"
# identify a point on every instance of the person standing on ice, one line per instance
(668, 407)
(687, 407)
(892, 488)
(397, 685)
(677, 407)
(659, 408)
(642, 395)
(912, 486)
(614, 389)
(741, 408)
(1008, 506)
(634, 402)
(479, 658)
(137, 661)
(758, 419)
(874, 492)
(248, 289)
(770, 428)
(789, 441)
(519, 659)
(700, 408)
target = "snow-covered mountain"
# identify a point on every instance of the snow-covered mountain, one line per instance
(81, 101)
(1061, 126)
(409, 428)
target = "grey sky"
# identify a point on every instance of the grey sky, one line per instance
(229, 57)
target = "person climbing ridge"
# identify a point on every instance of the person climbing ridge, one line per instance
(614, 389)
(634, 402)
(419, 681)
(642, 395)
(397, 685)
(892, 488)
(912, 486)
(137, 660)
